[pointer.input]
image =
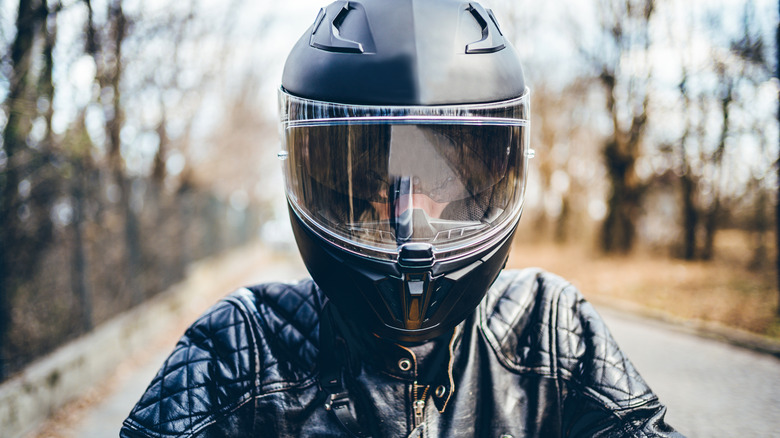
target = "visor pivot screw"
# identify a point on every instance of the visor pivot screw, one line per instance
(282, 155)
(405, 364)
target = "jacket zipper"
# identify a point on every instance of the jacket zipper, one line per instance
(419, 405)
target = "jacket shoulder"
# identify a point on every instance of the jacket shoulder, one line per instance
(209, 374)
(538, 322)
(516, 318)
(256, 340)
(286, 318)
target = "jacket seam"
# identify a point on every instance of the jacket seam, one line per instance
(492, 340)
(282, 386)
(136, 428)
(557, 293)
(247, 397)
(261, 388)
(600, 399)
(200, 426)
(241, 306)
(618, 412)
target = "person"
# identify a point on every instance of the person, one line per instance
(405, 150)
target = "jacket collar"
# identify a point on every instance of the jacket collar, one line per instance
(401, 362)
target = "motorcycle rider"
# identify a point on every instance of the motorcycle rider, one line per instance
(405, 149)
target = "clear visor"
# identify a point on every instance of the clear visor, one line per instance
(371, 179)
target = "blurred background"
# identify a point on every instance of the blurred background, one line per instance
(140, 136)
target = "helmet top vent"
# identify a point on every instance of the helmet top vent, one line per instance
(342, 27)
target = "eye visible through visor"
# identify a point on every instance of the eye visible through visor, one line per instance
(373, 183)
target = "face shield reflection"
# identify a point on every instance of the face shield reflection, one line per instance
(383, 185)
(422, 181)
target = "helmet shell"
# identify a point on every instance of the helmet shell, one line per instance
(404, 52)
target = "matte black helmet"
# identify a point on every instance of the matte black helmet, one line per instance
(405, 147)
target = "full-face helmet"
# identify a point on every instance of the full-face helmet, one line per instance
(405, 145)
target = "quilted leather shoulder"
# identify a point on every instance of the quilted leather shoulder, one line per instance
(228, 357)
(286, 319)
(538, 322)
(208, 375)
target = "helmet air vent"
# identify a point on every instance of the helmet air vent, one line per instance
(342, 27)
(492, 39)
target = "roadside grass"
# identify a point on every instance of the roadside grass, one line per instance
(725, 290)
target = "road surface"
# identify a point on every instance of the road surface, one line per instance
(712, 389)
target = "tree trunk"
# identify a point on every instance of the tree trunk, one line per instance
(711, 225)
(627, 25)
(759, 228)
(618, 229)
(116, 163)
(690, 215)
(79, 282)
(777, 204)
(16, 130)
(688, 181)
(712, 219)
(562, 222)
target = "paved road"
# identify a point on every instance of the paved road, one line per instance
(712, 389)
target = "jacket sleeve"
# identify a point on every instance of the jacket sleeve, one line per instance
(205, 387)
(602, 393)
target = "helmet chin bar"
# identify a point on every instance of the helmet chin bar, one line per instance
(415, 261)
(412, 299)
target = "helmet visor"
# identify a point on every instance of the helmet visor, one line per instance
(371, 179)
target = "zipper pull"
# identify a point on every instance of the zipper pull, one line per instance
(419, 411)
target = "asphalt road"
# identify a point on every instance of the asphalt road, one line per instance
(712, 389)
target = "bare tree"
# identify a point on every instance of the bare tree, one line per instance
(78, 148)
(20, 112)
(625, 37)
(108, 56)
(688, 181)
(712, 213)
(70, 203)
(713, 89)
(753, 67)
(777, 163)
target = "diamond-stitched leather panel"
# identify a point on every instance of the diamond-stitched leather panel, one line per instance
(543, 324)
(207, 374)
(229, 355)
(289, 328)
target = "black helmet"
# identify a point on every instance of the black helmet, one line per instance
(405, 140)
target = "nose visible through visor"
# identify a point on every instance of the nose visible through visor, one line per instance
(424, 181)
(413, 212)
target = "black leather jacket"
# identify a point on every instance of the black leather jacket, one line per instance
(534, 360)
